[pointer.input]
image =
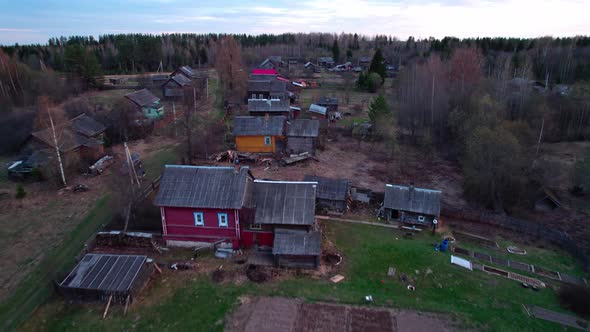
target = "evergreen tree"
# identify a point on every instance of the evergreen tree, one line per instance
(335, 50)
(379, 109)
(203, 58)
(378, 64)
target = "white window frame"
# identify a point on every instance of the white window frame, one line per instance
(421, 218)
(199, 218)
(221, 221)
(267, 140)
(255, 227)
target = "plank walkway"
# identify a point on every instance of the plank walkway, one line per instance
(522, 266)
(559, 318)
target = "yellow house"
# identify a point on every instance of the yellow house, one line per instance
(259, 134)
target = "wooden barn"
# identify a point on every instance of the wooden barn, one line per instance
(289, 209)
(100, 277)
(302, 135)
(332, 194)
(146, 103)
(272, 107)
(175, 85)
(411, 205)
(331, 103)
(202, 204)
(81, 138)
(261, 134)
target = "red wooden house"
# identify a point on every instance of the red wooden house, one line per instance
(202, 204)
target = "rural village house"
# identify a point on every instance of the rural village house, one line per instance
(272, 62)
(202, 204)
(267, 88)
(81, 138)
(332, 194)
(263, 107)
(147, 104)
(326, 62)
(174, 86)
(331, 103)
(259, 133)
(411, 205)
(302, 135)
(207, 204)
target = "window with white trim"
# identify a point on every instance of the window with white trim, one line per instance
(421, 218)
(255, 227)
(267, 140)
(199, 218)
(222, 219)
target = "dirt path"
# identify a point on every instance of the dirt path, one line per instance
(293, 315)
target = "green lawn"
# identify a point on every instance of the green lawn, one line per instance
(37, 287)
(473, 299)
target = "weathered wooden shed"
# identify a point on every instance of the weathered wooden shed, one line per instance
(332, 194)
(411, 205)
(272, 107)
(297, 248)
(289, 207)
(266, 87)
(302, 135)
(175, 85)
(259, 134)
(97, 277)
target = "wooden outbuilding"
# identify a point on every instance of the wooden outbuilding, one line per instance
(332, 194)
(302, 135)
(261, 134)
(411, 205)
(147, 103)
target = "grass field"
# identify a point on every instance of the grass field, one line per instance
(51, 259)
(473, 299)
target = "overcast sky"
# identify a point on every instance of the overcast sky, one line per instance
(35, 21)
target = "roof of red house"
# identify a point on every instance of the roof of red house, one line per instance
(264, 72)
(285, 202)
(203, 187)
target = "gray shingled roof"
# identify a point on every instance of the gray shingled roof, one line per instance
(328, 101)
(296, 242)
(267, 84)
(332, 189)
(142, 97)
(87, 126)
(418, 200)
(285, 203)
(318, 109)
(203, 187)
(259, 125)
(268, 105)
(181, 80)
(303, 128)
(325, 59)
